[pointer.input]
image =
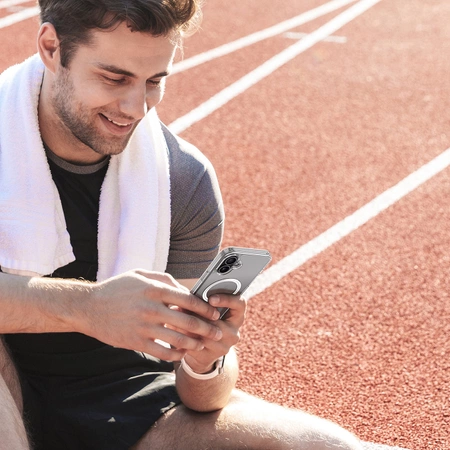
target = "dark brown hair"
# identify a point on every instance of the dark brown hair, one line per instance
(74, 19)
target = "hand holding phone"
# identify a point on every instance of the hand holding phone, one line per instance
(231, 272)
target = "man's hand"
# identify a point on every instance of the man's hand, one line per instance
(134, 309)
(213, 394)
(202, 360)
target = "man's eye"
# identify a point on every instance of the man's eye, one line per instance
(114, 80)
(154, 82)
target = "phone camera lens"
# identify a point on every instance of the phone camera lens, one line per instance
(223, 269)
(231, 260)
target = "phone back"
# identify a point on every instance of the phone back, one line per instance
(231, 272)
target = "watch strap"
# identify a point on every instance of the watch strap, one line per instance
(218, 369)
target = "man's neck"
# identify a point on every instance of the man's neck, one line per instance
(74, 167)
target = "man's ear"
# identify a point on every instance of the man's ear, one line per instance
(48, 46)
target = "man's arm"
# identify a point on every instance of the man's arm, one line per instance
(37, 305)
(213, 394)
(208, 395)
(131, 310)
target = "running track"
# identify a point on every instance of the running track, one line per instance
(328, 125)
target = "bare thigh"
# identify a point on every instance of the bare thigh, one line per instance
(12, 431)
(245, 423)
(9, 374)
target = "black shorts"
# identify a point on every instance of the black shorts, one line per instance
(107, 410)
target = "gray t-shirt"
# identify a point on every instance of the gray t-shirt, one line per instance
(197, 210)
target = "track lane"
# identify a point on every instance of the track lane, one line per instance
(268, 67)
(389, 139)
(362, 330)
(322, 123)
(260, 35)
(349, 224)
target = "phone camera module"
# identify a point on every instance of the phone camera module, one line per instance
(230, 263)
(224, 269)
(231, 260)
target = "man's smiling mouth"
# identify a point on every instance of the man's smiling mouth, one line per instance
(117, 128)
(117, 123)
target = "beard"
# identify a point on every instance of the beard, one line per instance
(79, 121)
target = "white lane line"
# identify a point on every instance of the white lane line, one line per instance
(349, 224)
(19, 16)
(297, 36)
(265, 69)
(7, 3)
(260, 35)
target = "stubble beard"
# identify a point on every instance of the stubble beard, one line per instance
(79, 121)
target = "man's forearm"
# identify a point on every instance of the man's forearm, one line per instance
(131, 310)
(36, 305)
(208, 395)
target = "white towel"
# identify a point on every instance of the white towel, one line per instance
(134, 217)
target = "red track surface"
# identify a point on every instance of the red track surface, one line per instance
(359, 334)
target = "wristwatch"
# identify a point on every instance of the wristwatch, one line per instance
(218, 369)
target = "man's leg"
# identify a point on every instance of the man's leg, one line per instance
(246, 423)
(12, 430)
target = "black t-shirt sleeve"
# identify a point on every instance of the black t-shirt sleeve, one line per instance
(197, 210)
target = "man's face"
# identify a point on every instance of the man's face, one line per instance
(108, 87)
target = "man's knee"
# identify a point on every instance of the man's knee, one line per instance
(291, 428)
(328, 435)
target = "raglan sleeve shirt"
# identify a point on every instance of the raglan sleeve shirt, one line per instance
(197, 210)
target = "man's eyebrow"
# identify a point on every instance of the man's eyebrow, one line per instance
(119, 71)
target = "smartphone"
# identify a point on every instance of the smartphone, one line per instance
(231, 272)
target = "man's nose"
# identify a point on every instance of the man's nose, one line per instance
(134, 103)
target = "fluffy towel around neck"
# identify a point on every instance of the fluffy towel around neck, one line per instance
(134, 217)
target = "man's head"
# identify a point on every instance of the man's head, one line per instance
(106, 64)
(75, 19)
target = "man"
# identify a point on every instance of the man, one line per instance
(92, 188)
